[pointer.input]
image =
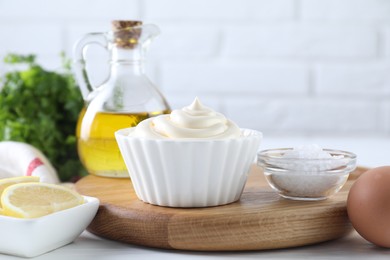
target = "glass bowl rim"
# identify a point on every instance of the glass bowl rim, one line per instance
(265, 154)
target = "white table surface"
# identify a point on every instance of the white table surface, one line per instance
(371, 152)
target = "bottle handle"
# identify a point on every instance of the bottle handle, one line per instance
(79, 64)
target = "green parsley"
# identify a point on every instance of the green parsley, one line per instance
(41, 108)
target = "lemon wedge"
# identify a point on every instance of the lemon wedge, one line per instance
(4, 183)
(32, 200)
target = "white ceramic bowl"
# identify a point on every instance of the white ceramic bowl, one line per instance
(33, 237)
(188, 173)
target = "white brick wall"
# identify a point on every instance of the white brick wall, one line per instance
(218, 10)
(62, 10)
(364, 79)
(301, 41)
(301, 67)
(297, 116)
(386, 42)
(23, 38)
(246, 78)
(360, 11)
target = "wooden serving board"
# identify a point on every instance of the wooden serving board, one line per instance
(259, 220)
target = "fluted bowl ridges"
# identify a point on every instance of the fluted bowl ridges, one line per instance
(188, 172)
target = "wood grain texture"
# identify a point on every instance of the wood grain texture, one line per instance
(259, 220)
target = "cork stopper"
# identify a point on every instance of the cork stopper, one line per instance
(125, 35)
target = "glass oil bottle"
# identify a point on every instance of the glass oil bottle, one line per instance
(126, 98)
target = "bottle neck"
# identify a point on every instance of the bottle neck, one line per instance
(124, 61)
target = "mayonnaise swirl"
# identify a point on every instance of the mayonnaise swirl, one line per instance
(193, 121)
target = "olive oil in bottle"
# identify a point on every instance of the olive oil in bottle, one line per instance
(97, 147)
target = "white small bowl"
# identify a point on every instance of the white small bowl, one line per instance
(303, 178)
(33, 237)
(188, 172)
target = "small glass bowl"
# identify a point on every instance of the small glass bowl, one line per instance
(306, 179)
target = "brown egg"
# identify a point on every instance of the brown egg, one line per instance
(369, 205)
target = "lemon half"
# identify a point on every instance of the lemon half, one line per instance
(32, 200)
(4, 183)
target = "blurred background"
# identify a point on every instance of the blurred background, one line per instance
(284, 67)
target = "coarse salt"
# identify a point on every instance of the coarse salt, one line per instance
(310, 159)
(307, 172)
